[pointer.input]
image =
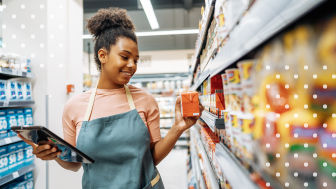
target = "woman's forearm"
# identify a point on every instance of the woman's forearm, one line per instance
(165, 145)
(72, 166)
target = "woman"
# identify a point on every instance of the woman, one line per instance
(116, 124)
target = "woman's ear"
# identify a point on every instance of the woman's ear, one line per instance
(102, 55)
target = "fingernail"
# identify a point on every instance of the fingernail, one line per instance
(54, 150)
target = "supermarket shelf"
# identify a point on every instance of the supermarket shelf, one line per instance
(274, 183)
(214, 181)
(233, 170)
(10, 104)
(212, 120)
(196, 166)
(202, 36)
(16, 174)
(142, 78)
(9, 140)
(9, 73)
(262, 21)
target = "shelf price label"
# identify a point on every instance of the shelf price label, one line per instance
(8, 140)
(16, 175)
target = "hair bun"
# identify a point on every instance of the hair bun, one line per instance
(109, 18)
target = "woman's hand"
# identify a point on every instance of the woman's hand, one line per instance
(42, 151)
(184, 123)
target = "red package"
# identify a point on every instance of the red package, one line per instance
(190, 104)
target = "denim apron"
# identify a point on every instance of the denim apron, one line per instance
(120, 146)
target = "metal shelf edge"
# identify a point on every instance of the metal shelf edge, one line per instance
(16, 174)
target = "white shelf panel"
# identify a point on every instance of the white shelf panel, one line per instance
(263, 20)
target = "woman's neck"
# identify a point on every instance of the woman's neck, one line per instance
(105, 83)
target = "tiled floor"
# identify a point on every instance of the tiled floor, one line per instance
(173, 169)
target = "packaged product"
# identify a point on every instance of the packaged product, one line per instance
(3, 85)
(20, 117)
(234, 88)
(20, 154)
(215, 83)
(3, 121)
(27, 91)
(28, 155)
(190, 104)
(3, 160)
(327, 155)
(225, 90)
(19, 90)
(12, 121)
(11, 90)
(228, 130)
(247, 122)
(245, 71)
(236, 133)
(12, 158)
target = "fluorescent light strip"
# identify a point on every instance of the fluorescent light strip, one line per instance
(149, 11)
(167, 32)
(158, 33)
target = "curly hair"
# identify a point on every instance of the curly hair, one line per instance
(107, 26)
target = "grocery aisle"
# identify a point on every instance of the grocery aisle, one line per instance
(173, 169)
(269, 94)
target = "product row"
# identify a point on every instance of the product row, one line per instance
(174, 85)
(227, 14)
(280, 107)
(15, 156)
(15, 90)
(25, 181)
(14, 117)
(14, 63)
(166, 106)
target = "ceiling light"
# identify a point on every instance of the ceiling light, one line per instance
(149, 11)
(158, 33)
(167, 32)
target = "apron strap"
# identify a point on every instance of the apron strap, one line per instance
(92, 98)
(129, 98)
(90, 106)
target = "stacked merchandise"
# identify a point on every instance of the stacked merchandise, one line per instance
(15, 65)
(25, 181)
(227, 14)
(280, 108)
(16, 157)
(15, 90)
(14, 117)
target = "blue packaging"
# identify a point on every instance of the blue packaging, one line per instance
(27, 91)
(11, 90)
(3, 150)
(28, 112)
(20, 155)
(28, 175)
(28, 155)
(3, 165)
(3, 121)
(20, 117)
(3, 84)
(11, 118)
(12, 158)
(30, 184)
(19, 90)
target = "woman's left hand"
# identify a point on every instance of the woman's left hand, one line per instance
(184, 123)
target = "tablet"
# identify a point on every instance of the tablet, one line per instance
(42, 135)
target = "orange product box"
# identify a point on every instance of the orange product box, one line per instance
(190, 104)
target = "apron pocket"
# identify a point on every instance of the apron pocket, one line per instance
(156, 182)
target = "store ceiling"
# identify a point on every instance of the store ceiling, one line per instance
(171, 15)
(94, 5)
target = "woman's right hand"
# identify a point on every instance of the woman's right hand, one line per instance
(42, 151)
